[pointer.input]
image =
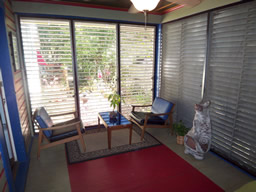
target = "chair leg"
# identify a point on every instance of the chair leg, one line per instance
(82, 142)
(39, 143)
(81, 138)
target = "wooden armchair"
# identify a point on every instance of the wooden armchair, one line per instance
(159, 117)
(56, 134)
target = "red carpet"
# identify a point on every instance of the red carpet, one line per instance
(147, 170)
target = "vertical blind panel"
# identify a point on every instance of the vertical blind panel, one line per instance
(170, 64)
(48, 63)
(96, 66)
(224, 73)
(183, 57)
(137, 46)
(231, 84)
(192, 61)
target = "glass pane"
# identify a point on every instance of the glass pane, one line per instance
(48, 62)
(96, 63)
(137, 65)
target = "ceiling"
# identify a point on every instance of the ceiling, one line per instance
(121, 5)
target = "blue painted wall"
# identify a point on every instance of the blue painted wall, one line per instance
(8, 84)
(3, 57)
(157, 59)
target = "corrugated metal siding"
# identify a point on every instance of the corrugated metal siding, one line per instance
(231, 84)
(183, 58)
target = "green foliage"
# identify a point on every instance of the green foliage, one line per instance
(95, 52)
(180, 129)
(115, 99)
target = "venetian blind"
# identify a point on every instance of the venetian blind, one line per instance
(183, 58)
(96, 67)
(231, 84)
(137, 48)
(48, 63)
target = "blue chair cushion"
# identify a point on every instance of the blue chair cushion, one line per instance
(140, 118)
(44, 120)
(161, 106)
(60, 134)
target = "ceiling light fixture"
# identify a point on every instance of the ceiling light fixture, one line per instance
(145, 6)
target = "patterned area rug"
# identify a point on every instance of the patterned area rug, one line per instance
(97, 147)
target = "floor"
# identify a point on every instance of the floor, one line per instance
(149, 170)
(50, 172)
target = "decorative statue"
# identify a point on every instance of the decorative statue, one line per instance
(198, 140)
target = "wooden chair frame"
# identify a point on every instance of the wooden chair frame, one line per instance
(58, 126)
(145, 125)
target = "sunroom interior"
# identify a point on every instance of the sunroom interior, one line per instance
(70, 56)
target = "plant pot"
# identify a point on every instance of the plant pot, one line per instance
(180, 140)
(112, 115)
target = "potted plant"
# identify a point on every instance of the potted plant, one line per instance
(180, 130)
(115, 100)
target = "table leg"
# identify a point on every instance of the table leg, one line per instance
(109, 138)
(130, 139)
(98, 123)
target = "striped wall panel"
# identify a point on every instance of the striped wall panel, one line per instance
(3, 180)
(18, 80)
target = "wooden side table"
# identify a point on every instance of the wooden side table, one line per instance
(114, 124)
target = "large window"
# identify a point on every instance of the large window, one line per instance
(48, 63)
(96, 67)
(137, 47)
(71, 68)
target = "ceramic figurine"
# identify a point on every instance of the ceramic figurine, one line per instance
(198, 140)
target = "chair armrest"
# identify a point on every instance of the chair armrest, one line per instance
(133, 106)
(60, 127)
(55, 115)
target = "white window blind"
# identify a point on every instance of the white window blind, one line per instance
(48, 63)
(96, 67)
(183, 58)
(137, 47)
(231, 84)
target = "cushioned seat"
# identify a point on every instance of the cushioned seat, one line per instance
(160, 115)
(140, 118)
(64, 133)
(58, 133)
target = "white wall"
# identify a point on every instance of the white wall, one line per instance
(66, 10)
